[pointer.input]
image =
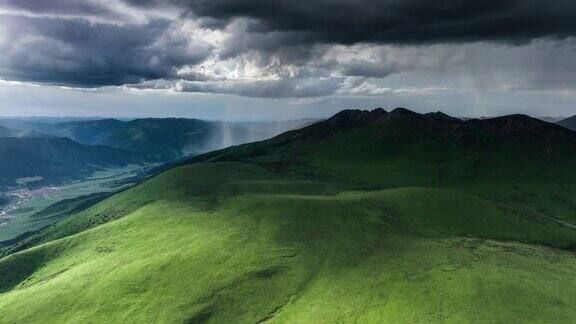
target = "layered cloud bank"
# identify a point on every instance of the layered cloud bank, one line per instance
(287, 49)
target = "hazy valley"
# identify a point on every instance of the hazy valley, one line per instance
(47, 160)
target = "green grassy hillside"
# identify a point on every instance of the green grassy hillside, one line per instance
(289, 231)
(514, 159)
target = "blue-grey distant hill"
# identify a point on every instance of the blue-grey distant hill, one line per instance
(159, 139)
(52, 160)
(9, 132)
(569, 123)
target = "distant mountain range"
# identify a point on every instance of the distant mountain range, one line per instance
(159, 139)
(55, 150)
(9, 132)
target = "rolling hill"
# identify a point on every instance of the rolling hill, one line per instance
(162, 139)
(369, 216)
(53, 160)
(569, 123)
(91, 132)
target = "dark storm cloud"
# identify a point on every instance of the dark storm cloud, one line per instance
(399, 21)
(280, 48)
(82, 54)
(77, 53)
(57, 7)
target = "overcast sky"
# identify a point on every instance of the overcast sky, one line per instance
(263, 59)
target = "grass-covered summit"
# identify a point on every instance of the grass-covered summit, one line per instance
(511, 159)
(365, 217)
